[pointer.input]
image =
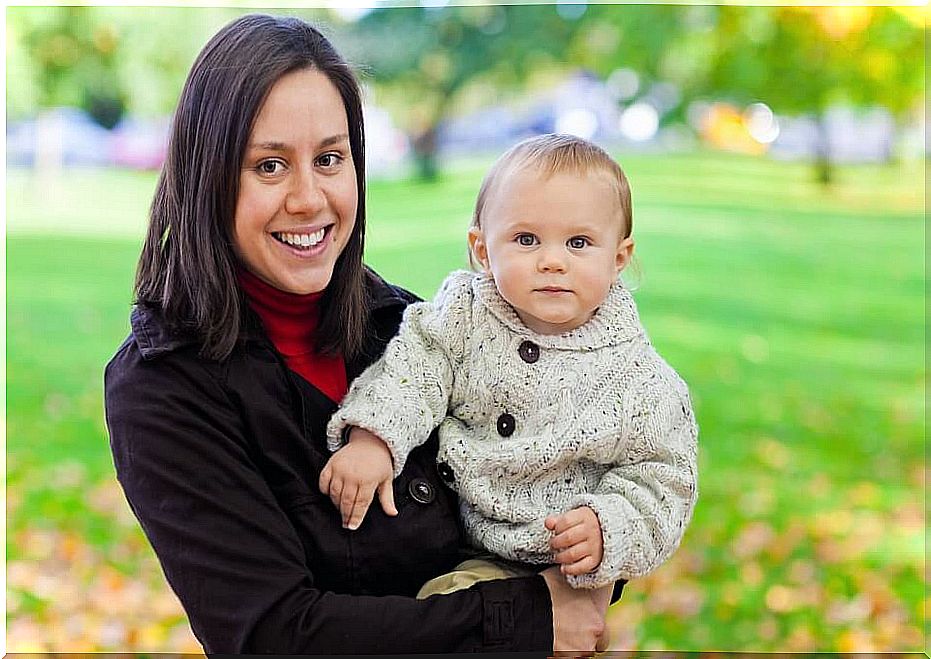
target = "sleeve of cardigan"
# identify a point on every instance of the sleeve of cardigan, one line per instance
(405, 395)
(645, 502)
(234, 559)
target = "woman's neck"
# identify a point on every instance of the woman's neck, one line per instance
(289, 318)
(291, 321)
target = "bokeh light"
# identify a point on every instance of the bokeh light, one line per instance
(640, 122)
(761, 123)
(580, 122)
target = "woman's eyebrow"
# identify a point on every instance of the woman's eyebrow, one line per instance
(335, 139)
(269, 146)
(273, 145)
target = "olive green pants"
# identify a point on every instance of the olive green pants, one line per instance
(471, 572)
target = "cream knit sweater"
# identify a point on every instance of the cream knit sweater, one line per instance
(598, 419)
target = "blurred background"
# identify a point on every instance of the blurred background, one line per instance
(776, 157)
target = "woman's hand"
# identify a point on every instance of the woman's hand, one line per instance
(354, 473)
(578, 614)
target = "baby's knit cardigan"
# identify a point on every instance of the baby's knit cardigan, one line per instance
(600, 420)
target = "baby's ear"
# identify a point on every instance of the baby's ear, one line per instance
(477, 247)
(625, 250)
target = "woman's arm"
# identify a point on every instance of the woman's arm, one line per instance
(232, 555)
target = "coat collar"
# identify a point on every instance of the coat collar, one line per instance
(615, 321)
(154, 337)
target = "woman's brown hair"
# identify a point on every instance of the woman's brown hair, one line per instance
(187, 268)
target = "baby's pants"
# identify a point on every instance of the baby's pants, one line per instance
(486, 568)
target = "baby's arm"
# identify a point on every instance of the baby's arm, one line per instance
(354, 473)
(645, 501)
(404, 395)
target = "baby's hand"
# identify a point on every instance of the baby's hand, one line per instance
(353, 474)
(576, 540)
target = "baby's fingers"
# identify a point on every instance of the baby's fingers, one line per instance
(570, 537)
(386, 497)
(326, 475)
(573, 554)
(582, 566)
(335, 490)
(360, 506)
(347, 500)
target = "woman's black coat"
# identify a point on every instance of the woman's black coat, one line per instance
(220, 461)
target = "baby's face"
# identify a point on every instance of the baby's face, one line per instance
(553, 245)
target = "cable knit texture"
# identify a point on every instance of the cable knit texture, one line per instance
(600, 420)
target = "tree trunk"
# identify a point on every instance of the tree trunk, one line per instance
(425, 156)
(824, 169)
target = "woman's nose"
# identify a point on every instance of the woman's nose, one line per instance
(305, 196)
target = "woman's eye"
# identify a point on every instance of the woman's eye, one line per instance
(578, 243)
(329, 160)
(526, 240)
(270, 167)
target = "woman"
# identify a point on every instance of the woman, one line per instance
(253, 310)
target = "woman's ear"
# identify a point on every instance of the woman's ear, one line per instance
(625, 250)
(477, 247)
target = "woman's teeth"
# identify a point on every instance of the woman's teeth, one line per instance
(301, 239)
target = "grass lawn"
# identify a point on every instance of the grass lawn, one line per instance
(796, 315)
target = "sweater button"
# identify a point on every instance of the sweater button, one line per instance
(529, 351)
(506, 425)
(446, 472)
(421, 491)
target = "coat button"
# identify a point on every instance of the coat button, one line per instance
(529, 351)
(506, 425)
(446, 472)
(421, 491)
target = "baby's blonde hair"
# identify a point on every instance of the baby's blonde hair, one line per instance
(552, 154)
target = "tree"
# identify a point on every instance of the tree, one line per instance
(806, 59)
(63, 56)
(424, 59)
(798, 60)
(107, 60)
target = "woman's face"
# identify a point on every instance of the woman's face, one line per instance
(297, 186)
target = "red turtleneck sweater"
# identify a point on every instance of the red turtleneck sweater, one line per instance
(290, 321)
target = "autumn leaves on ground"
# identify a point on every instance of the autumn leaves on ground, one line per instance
(795, 313)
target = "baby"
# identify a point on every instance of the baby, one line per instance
(567, 437)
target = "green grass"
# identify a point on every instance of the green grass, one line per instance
(796, 315)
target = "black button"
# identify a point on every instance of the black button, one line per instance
(529, 351)
(421, 491)
(506, 425)
(446, 472)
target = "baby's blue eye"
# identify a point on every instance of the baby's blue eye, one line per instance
(526, 240)
(578, 243)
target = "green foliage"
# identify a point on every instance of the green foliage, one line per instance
(802, 59)
(795, 314)
(109, 59)
(422, 59)
(428, 62)
(71, 57)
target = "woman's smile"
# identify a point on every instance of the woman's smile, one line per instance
(304, 243)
